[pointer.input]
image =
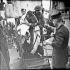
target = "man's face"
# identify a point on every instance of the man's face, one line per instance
(55, 22)
(23, 12)
(37, 11)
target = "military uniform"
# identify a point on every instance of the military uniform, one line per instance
(31, 19)
(40, 19)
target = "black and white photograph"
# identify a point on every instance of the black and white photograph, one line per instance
(34, 34)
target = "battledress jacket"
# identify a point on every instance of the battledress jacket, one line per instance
(60, 44)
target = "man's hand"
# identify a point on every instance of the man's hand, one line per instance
(52, 34)
(33, 51)
(47, 42)
(23, 39)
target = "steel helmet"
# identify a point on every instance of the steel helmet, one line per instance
(37, 8)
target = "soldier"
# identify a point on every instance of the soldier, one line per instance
(40, 19)
(40, 22)
(31, 22)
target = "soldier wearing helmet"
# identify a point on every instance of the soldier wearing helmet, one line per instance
(40, 19)
(38, 14)
(40, 22)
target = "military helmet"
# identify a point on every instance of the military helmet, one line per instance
(37, 8)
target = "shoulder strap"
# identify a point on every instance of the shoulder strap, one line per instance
(35, 17)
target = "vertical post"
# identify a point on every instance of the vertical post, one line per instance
(51, 4)
(41, 2)
(1, 1)
(69, 13)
